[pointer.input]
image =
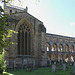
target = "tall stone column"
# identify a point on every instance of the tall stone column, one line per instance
(69, 56)
(63, 53)
(69, 52)
(50, 51)
(57, 50)
(51, 43)
(73, 71)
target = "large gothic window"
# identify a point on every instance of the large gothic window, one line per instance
(24, 40)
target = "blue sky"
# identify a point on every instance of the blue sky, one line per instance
(61, 16)
(58, 16)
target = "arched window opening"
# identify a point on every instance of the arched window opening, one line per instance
(72, 58)
(59, 57)
(15, 11)
(66, 48)
(53, 56)
(66, 58)
(60, 48)
(54, 47)
(48, 47)
(24, 40)
(72, 48)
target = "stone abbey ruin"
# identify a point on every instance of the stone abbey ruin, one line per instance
(33, 46)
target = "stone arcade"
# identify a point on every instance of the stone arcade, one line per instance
(33, 46)
(60, 48)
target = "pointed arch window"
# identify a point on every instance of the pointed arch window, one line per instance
(24, 40)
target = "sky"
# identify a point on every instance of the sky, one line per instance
(58, 16)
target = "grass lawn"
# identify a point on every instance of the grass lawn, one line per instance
(40, 71)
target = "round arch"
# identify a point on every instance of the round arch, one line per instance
(59, 56)
(48, 46)
(53, 56)
(54, 47)
(66, 56)
(60, 48)
(72, 48)
(66, 48)
(72, 57)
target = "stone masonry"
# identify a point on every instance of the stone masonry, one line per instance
(33, 46)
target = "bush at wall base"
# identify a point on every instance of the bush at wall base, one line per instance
(2, 63)
(1, 71)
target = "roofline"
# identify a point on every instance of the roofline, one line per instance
(28, 14)
(21, 12)
(34, 17)
(60, 35)
(15, 7)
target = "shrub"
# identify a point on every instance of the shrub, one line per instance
(2, 61)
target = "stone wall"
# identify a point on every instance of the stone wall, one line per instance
(60, 47)
(39, 41)
(38, 50)
(13, 9)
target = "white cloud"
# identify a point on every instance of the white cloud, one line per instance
(72, 24)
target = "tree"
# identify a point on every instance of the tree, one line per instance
(4, 33)
(4, 36)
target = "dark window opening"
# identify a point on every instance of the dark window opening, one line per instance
(10, 11)
(24, 40)
(26, 43)
(15, 11)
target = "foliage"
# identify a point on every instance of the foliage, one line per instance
(4, 36)
(4, 33)
(2, 61)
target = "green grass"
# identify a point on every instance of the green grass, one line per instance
(40, 71)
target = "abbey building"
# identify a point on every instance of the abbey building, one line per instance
(33, 46)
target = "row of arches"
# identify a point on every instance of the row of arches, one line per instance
(60, 48)
(60, 56)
